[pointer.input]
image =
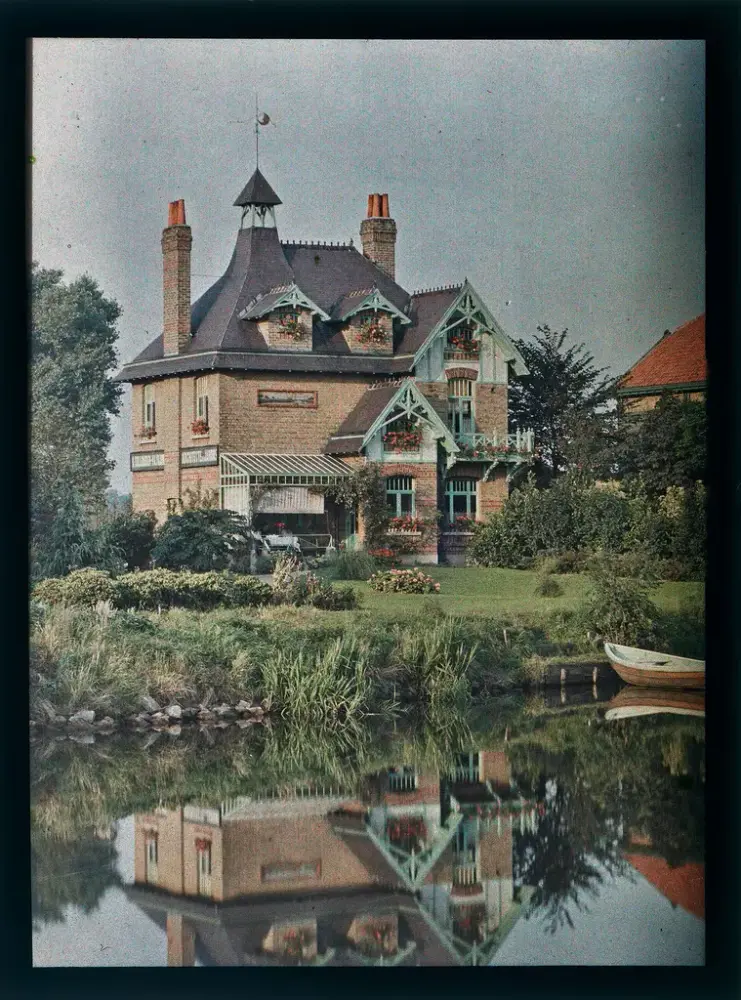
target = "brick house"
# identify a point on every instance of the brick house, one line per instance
(676, 364)
(247, 880)
(305, 360)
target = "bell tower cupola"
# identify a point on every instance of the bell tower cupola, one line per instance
(258, 201)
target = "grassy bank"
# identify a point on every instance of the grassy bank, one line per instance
(477, 590)
(486, 633)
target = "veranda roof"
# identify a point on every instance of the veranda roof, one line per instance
(290, 469)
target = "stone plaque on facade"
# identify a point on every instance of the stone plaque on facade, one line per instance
(200, 456)
(276, 397)
(146, 460)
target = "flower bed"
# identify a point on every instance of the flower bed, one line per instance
(404, 581)
(402, 440)
(385, 556)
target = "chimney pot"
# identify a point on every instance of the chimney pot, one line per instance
(385, 206)
(376, 206)
(369, 213)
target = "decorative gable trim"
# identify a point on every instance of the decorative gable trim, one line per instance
(472, 307)
(413, 403)
(374, 300)
(288, 295)
(469, 373)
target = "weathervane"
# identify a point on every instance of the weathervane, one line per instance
(260, 119)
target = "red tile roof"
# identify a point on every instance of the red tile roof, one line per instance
(677, 359)
(684, 886)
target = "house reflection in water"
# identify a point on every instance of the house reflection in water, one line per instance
(417, 870)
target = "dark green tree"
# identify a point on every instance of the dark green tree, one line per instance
(203, 540)
(73, 396)
(666, 446)
(562, 399)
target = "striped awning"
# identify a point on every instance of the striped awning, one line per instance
(297, 470)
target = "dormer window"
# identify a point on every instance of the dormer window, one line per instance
(290, 324)
(372, 329)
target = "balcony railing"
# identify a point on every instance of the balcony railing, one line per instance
(466, 774)
(521, 442)
(465, 873)
(402, 781)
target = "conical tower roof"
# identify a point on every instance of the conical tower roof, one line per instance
(257, 191)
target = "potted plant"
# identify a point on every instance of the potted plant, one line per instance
(199, 426)
(463, 345)
(147, 431)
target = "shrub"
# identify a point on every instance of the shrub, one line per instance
(153, 589)
(81, 587)
(619, 610)
(358, 565)
(131, 535)
(404, 581)
(547, 586)
(203, 540)
(292, 586)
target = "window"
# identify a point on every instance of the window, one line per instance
(202, 399)
(460, 406)
(150, 846)
(400, 495)
(149, 410)
(460, 499)
(203, 861)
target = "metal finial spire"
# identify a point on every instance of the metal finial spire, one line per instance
(257, 136)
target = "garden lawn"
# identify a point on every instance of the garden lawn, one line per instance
(481, 591)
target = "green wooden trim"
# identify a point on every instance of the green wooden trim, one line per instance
(293, 296)
(492, 327)
(409, 397)
(376, 301)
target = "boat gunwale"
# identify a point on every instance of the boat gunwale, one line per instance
(677, 664)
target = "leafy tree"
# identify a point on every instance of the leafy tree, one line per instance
(561, 399)
(130, 535)
(666, 446)
(202, 540)
(73, 396)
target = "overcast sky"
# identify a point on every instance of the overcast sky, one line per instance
(564, 179)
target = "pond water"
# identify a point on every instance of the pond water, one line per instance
(523, 835)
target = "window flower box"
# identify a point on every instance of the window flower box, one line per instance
(406, 829)
(199, 427)
(147, 432)
(464, 345)
(373, 333)
(463, 523)
(402, 440)
(406, 524)
(292, 328)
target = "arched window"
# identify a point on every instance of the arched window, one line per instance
(400, 495)
(460, 499)
(460, 406)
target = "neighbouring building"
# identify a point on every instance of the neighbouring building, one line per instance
(676, 364)
(305, 360)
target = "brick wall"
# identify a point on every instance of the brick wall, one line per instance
(495, 852)
(427, 791)
(169, 828)
(490, 410)
(378, 239)
(278, 340)
(181, 942)
(492, 494)
(176, 245)
(251, 844)
(351, 334)
(425, 499)
(495, 767)
(247, 427)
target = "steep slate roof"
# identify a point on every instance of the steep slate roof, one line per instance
(677, 359)
(349, 435)
(257, 191)
(426, 311)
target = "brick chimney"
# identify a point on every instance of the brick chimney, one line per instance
(181, 941)
(378, 234)
(176, 244)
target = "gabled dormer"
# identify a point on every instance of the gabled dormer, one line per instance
(467, 333)
(285, 318)
(369, 322)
